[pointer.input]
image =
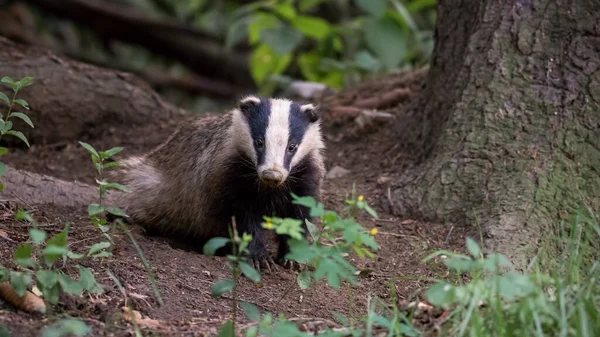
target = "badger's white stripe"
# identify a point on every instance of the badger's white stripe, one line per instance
(277, 135)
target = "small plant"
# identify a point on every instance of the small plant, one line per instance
(66, 327)
(326, 261)
(5, 120)
(97, 211)
(498, 301)
(45, 259)
(238, 265)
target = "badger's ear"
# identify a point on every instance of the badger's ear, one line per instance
(248, 104)
(312, 112)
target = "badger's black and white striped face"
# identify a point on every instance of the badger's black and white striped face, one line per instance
(276, 134)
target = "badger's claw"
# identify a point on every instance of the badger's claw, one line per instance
(289, 264)
(264, 263)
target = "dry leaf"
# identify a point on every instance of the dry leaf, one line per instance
(142, 322)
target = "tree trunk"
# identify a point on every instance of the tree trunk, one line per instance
(70, 100)
(509, 120)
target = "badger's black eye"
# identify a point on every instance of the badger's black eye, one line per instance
(259, 143)
(292, 147)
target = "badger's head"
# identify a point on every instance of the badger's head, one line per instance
(276, 134)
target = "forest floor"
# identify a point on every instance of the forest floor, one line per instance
(184, 278)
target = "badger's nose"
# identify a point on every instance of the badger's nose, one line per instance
(272, 176)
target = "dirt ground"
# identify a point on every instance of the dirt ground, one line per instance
(184, 278)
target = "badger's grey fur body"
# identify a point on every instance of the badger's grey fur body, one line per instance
(244, 163)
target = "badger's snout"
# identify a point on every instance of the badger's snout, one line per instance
(272, 177)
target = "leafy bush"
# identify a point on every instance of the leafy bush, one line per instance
(381, 39)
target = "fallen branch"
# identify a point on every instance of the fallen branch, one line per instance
(195, 49)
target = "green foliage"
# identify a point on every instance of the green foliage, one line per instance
(49, 276)
(325, 256)
(5, 123)
(499, 301)
(66, 327)
(288, 37)
(96, 211)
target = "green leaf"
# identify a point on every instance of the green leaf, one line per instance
(74, 256)
(287, 11)
(117, 211)
(309, 202)
(213, 245)
(22, 116)
(291, 227)
(366, 61)
(237, 32)
(1, 186)
(24, 251)
(90, 149)
(109, 153)
(56, 247)
(2, 168)
(69, 285)
(5, 126)
(18, 134)
(98, 247)
(4, 98)
(22, 256)
(88, 281)
(23, 215)
(473, 248)
(4, 332)
(312, 26)
(303, 279)
(52, 294)
(116, 186)
(441, 295)
(260, 22)
(102, 254)
(25, 82)
(318, 210)
(264, 61)
(20, 281)
(95, 209)
(283, 40)
(66, 327)
(227, 329)
(112, 164)
(417, 5)
(21, 103)
(46, 278)
(3, 151)
(341, 318)
(250, 311)
(375, 8)
(387, 40)
(37, 236)
(221, 287)
(312, 229)
(250, 272)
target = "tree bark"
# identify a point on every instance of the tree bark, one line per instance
(508, 133)
(75, 101)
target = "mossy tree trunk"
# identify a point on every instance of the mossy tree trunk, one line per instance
(509, 120)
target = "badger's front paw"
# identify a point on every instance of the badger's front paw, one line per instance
(260, 259)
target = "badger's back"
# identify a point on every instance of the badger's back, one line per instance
(175, 186)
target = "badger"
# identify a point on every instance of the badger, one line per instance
(243, 165)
